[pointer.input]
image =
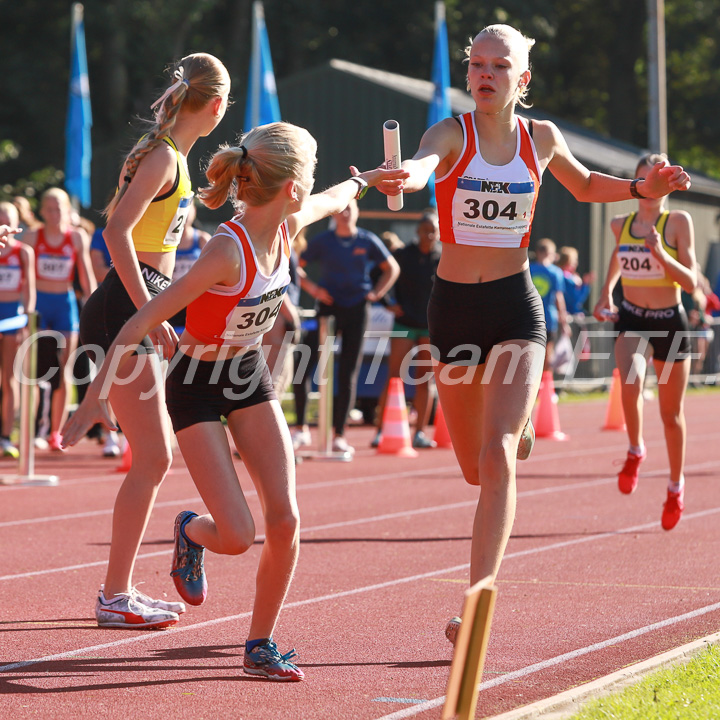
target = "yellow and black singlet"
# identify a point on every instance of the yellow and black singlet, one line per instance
(160, 229)
(638, 266)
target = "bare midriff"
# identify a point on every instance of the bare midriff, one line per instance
(163, 262)
(192, 347)
(652, 297)
(471, 264)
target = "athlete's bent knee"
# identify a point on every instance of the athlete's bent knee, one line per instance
(239, 541)
(671, 419)
(496, 455)
(283, 528)
(471, 475)
(154, 464)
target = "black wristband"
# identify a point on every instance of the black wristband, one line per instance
(634, 191)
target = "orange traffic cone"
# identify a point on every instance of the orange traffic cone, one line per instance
(615, 417)
(441, 435)
(395, 428)
(126, 462)
(547, 418)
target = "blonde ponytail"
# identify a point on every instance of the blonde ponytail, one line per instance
(198, 78)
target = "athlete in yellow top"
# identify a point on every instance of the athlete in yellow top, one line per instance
(654, 258)
(145, 224)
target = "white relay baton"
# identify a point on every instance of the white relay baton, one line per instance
(391, 139)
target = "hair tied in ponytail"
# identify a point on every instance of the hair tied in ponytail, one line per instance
(244, 151)
(179, 76)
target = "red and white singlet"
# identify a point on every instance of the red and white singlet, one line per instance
(11, 270)
(240, 315)
(55, 263)
(489, 205)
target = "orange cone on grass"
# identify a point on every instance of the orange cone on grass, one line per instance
(126, 462)
(395, 427)
(615, 416)
(441, 435)
(547, 418)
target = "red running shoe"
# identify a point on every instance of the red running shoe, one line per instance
(672, 512)
(628, 476)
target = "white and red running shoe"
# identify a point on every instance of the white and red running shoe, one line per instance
(127, 613)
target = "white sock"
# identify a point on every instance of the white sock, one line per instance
(637, 449)
(676, 487)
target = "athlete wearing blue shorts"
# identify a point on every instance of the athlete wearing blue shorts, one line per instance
(60, 251)
(17, 294)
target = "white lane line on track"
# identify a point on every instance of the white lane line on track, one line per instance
(557, 660)
(250, 493)
(409, 513)
(230, 618)
(535, 459)
(303, 531)
(407, 712)
(348, 481)
(392, 583)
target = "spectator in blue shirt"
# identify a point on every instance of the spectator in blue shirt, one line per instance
(344, 257)
(577, 288)
(549, 281)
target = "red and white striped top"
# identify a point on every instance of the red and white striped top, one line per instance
(240, 315)
(489, 205)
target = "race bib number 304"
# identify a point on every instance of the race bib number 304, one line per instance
(175, 229)
(503, 208)
(254, 316)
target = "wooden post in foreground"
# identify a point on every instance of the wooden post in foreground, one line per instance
(470, 648)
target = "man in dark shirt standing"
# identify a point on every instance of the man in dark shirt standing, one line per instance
(418, 263)
(345, 256)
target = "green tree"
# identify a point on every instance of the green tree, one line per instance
(589, 63)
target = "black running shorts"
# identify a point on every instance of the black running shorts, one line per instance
(204, 390)
(665, 329)
(110, 307)
(465, 317)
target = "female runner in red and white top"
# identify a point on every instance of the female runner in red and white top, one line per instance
(489, 164)
(234, 291)
(17, 293)
(60, 250)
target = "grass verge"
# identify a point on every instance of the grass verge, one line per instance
(689, 691)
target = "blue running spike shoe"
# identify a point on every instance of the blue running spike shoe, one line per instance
(188, 570)
(266, 661)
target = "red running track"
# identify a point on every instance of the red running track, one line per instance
(590, 583)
